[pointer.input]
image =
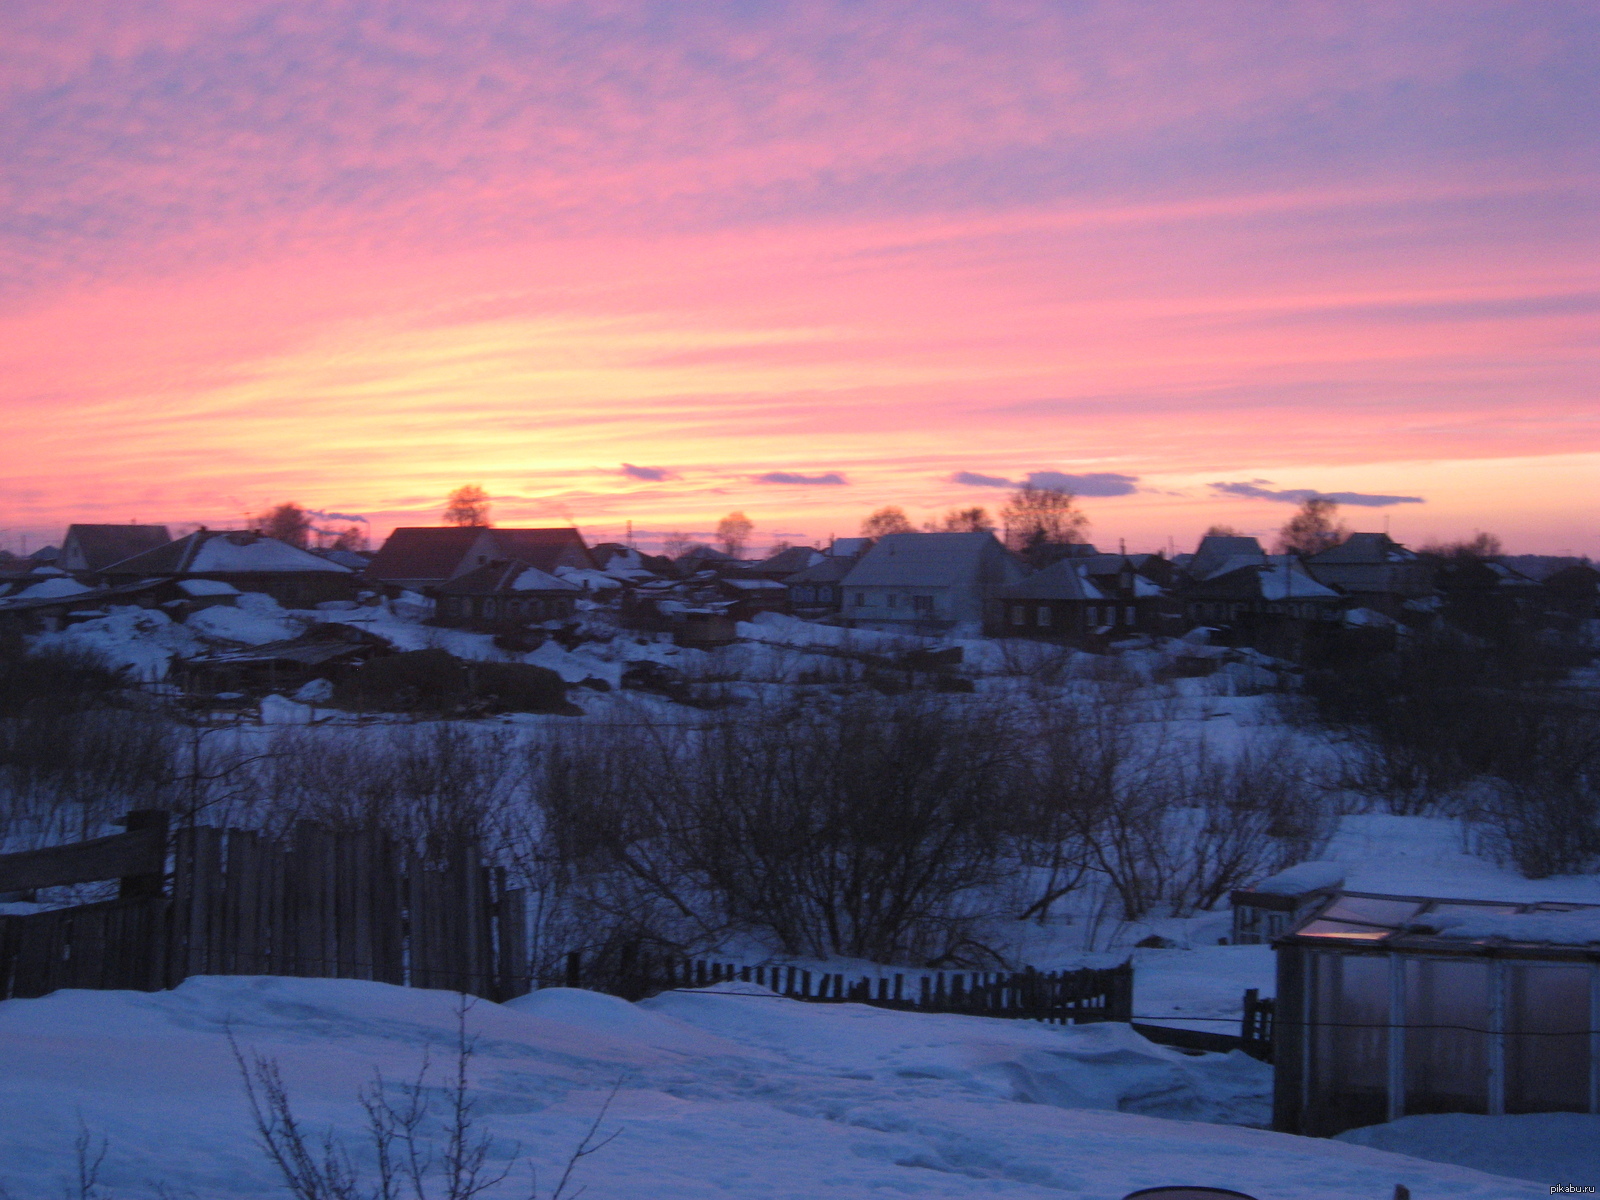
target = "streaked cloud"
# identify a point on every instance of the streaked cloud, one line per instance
(648, 474)
(1252, 491)
(829, 478)
(359, 253)
(973, 479)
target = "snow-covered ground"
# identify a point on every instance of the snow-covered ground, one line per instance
(722, 1093)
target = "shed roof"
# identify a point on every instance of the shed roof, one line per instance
(1436, 925)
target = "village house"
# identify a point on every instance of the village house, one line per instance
(508, 591)
(1273, 606)
(1374, 570)
(89, 549)
(420, 558)
(249, 561)
(1078, 597)
(928, 581)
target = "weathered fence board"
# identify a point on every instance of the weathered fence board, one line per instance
(139, 852)
(1055, 997)
(338, 904)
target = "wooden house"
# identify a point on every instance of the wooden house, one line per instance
(506, 592)
(419, 559)
(1080, 596)
(928, 582)
(1374, 570)
(250, 561)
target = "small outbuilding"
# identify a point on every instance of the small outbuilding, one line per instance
(1389, 1006)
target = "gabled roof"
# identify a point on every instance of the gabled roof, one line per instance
(546, 549)
(1279, 578)
(224, 552)
(425, 552)
(831, 569)
(504, 575)
(1364, 548)
(94, 547)
(1064, 580)
(936, 560)
(787, 562)
(1215, 551)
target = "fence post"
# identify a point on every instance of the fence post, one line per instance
(573, 963)
(137, 886)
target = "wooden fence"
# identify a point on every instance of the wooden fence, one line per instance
(1056, 997)
(320, 903)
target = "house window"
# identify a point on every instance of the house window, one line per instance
(1044, 616)
(923, 605)
(861, 599)
(1131, 616)
(488, 608)
(1019, 615)
(894, 600)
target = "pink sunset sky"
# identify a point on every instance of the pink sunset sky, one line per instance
(656, 261)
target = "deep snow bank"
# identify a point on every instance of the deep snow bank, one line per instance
(722, 1094)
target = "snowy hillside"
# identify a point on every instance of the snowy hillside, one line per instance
(722, 1094)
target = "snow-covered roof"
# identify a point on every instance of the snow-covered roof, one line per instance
(51, 589)
(1283, 579)
(1434, 924)
(936, 560)
(1364, 548)
(1302, 878)
(225, 552)
(1064, 580)
(531, 579)
(850, 547)
(1215, 550)
(588, 580)
(206, 587)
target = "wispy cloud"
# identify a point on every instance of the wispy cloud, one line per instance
(973, 479)
(648, 474)
(1099, 484)
(830, 478)
(1253, 491)
(1103, 483)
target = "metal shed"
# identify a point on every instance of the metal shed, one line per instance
(1393, 1005)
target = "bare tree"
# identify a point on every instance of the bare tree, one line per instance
(288, 523)
(733, 531)
(675, 544)
(1221, 531)
(1042, 516)
(963, 520)
(468, 505)
(1314, 528)
(1480, 545)
(351, 537)
(887, 520)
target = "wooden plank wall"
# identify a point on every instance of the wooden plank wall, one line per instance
(324, 903)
